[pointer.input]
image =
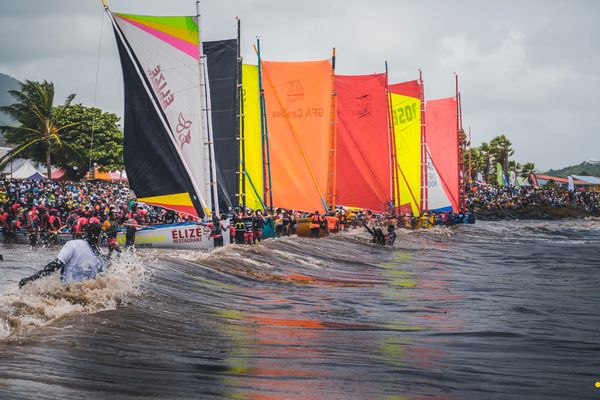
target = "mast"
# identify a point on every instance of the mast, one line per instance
(331, 185)
(469, 143)
(207, 127)
(460, 134)
(241, 133)
(265, 132)
(394, 183)
(424, 162)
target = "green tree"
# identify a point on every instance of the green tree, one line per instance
(501, 150)
(96, 137)
(527, 169)
(38, 133)
(486, 159)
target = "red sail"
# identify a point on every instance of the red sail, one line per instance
(442, 141)
(363, 150)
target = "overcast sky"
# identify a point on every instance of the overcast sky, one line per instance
(528, 69)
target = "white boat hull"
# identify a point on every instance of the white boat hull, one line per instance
(188, 236)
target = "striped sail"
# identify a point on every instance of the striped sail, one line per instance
(167, 162)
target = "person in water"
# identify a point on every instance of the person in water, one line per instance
(378, 236)
(78, 260)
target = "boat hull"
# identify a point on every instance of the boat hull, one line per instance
(178, 236)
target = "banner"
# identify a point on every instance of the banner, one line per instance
(499, 175)
(253, 157)
(362, 146)
(442, 142)
(406, 117)
(298, 105)
(571, 183)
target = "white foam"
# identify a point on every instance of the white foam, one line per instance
(41, 302)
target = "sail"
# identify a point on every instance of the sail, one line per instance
(436, 195)
(298, 103)
(362, 148)
(163, 147)
(406, 118)
(442, 143)
(252, 156)
(222, 70)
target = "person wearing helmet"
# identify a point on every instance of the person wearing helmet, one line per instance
(78, 260)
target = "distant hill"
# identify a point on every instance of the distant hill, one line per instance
(6, 83)
(589, 167)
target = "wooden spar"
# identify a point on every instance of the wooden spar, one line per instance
(240, 126)
(424, 163)
(264, 127)
(331, 176)
(394, 182)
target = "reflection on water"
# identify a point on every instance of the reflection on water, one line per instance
(495, 310)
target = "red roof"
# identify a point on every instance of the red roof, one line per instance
(558, 179)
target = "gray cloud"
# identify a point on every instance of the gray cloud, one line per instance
(528, 69)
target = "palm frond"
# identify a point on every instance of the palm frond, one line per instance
(14, 153)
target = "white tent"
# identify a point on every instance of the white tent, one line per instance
(22, 169)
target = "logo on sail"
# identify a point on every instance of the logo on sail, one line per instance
(184, 130)
(165, 97)
(295, 91)
(362, 105)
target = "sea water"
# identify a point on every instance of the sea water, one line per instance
(496, 310)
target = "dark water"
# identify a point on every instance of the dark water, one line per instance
(507, 310)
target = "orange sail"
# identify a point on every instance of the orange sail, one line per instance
(298, 102)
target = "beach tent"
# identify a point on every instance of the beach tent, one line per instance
(22, 169)
(112, 176)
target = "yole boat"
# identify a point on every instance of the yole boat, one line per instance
(168, 146)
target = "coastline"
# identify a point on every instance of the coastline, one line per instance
(536, 213)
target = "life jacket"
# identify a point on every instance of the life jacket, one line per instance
(332, 223)
(315, 222)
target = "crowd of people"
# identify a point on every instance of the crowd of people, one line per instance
(491, 197)
(44, 209)
(247, 226)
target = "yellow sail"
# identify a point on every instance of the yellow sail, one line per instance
(406, 116)
(253, 160)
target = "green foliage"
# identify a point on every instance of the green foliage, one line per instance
(87, 123)
(499, 150)
(551, 184)
(38, 132)
(527, 169)
(585, 168)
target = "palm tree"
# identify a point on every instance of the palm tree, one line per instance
(527, 169)
(501, 150)
(39, 134)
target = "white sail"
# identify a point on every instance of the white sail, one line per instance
(437, 198)
(167, 50)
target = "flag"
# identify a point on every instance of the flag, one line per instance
(499, 175)
(571, 183)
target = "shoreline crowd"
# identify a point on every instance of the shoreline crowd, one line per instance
(43, 209)
(491, 197)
